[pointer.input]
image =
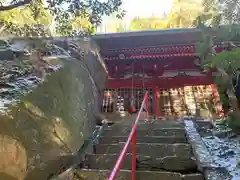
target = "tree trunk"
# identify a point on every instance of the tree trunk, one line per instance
(233, 100)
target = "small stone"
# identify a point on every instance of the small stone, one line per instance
(193, 177)
(178, 164)
(221, 134)
(204, 124)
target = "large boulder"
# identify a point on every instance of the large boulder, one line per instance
(46, 113)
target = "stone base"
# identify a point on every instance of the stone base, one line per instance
(205, 162)
(180, 132)
(152, 139)
(140, 175)
(169, 163)
(156, 150)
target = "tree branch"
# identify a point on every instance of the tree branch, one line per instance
(12, 6)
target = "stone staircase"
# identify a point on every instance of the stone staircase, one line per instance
(162, 153)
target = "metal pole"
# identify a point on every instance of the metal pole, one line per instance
(134, 155)
(146, 103)
(131, 137)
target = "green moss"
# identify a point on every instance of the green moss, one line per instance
(54, 119)
(234, 121)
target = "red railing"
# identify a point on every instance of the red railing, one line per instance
(132, 137)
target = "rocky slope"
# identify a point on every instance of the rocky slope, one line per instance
(50, 92)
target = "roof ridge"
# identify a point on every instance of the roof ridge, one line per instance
(146, 32)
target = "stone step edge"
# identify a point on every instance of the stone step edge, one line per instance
(205, 162)
(143, 129)
(127, 171)
(145, 139)
(147, 144)
(152, 121)
(111, 154)
(128, 154)
(157, 137)
(138, 155)
(172, 175)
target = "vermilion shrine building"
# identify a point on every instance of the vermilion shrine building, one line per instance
(165, 62)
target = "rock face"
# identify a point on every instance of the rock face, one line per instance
(42, 122)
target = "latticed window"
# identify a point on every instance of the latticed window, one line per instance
(119, 99)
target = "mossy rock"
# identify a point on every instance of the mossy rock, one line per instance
(234, 121)
(49, 122)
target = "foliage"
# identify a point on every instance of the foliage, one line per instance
(219, 24)
(183, 13)
(65, 12)
(21, 22)
(229, 60)
(216, 25)
(74, 26)
(229, 10)
(152, 22)
(234, 120)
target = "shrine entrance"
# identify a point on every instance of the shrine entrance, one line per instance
(118, 99)
(166, 63)
(188, 100)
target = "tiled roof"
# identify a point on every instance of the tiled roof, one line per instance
(149, 38)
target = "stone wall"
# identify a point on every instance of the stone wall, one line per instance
(43, 122)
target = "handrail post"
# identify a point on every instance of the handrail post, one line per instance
(131, 138)
(134, 155)
(146, 103)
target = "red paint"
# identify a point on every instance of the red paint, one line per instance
(174, 82)
(154, 61)
(146, 108)
(143, 56)
(156, 102)
(131, 137)
(151, 49)
(152, 67)
(134, 155)
(132, 109)
(215, 96)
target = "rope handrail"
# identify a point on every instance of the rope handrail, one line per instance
(131, 137)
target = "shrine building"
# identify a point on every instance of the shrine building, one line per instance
(165, 62)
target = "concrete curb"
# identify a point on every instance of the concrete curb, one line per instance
(204, 159)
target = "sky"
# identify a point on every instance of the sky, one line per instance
(146, 7)
(140, 8)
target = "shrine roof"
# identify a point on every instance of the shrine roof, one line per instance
(148, 38)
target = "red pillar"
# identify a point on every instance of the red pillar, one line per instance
(218, 107)
(156, 102)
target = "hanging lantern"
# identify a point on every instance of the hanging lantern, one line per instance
(192, 49)
(180, 50)
(121, 56)
(174, 49)
(197, 62)
(107, 94)
(163, 50)
(184, 49)
(155, 66)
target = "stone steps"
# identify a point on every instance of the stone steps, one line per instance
(168, 163)
(91, 174)
(148, 149)
(180, 132)
(146, 139)
(162, 153)
(151, 125)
